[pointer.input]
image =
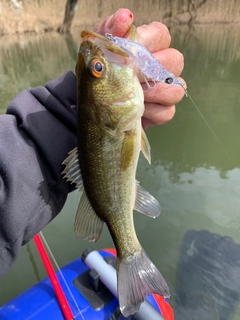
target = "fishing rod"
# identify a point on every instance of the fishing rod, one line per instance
(54, 280)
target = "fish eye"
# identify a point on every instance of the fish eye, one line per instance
(169, 80)
(96, 68)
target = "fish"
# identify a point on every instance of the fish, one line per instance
(110, 104)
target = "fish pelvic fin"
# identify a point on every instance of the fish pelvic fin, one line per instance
(145, 203)
(87, 226)
(145, 146)
(72, 170)
(137, 278)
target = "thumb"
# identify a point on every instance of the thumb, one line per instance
(116, 24)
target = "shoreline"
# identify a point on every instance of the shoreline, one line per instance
(32, 26)
(44, 16)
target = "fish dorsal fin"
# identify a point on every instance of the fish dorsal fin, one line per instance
(146, 203)
(87, 226)
(72, 170)
(145, 146)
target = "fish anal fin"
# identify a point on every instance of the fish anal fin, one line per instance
(137, 278)
(146, 203)
(127, 149)
(87, 226)
(145, 146)
(72, 170)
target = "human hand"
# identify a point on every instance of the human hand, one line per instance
(159, 101)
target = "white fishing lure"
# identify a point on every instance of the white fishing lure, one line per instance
(145, 61)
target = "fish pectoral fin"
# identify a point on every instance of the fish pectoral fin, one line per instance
(127, 149)
(145, 146)
(87, 226)
(72, 169)
(146, 203)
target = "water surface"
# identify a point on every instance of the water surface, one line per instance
(194, 179)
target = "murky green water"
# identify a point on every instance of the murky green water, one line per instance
(194, 179)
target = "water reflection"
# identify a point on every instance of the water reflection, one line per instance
(29, 61)
(193, 179)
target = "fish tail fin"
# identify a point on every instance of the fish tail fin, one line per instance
(137, 278)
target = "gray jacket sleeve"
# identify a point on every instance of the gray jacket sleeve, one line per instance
(36, 134)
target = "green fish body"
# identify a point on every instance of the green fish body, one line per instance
(110, 138)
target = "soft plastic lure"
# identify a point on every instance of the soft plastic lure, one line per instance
(145, 61)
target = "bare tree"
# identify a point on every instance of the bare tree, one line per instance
(70, 8)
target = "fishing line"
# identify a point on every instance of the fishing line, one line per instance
(61, 274)
(208, 125)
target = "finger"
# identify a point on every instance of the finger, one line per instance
(154, 36)
(156, 114)
(116, 24)
(146, 123)
(163, 93)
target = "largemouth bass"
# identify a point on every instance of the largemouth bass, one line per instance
(110, 138)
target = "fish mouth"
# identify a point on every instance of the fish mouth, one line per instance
(102, 43)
